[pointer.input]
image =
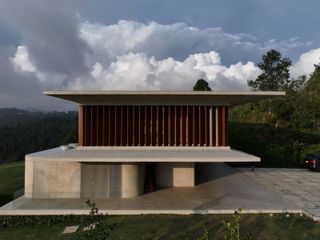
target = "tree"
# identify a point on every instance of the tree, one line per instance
(275, 73)
(201, 85)
(311, 97)
(313, 84)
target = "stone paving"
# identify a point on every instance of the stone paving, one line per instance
(299, 186)
(220, 189)
(70, 229)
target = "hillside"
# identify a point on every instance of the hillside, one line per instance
(11, 181)
(23, 132)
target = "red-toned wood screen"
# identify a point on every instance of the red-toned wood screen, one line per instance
(153, 126)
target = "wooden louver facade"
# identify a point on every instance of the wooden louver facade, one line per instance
(153, 125)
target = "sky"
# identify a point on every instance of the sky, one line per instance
(146, 45)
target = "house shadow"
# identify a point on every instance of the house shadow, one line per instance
(206, 172)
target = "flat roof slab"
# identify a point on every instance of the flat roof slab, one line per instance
(143, 154)
(220, 190)
(210, 98)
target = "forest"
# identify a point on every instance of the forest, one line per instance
(23, 132)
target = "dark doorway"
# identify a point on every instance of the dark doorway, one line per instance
(149, 181)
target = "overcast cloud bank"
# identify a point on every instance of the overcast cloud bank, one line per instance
(136, 56)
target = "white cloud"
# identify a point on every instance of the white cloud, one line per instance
(136, 71)
(21, 60)
(305, 64)
(176, 40)
(136, 56)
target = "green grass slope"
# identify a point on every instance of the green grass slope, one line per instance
(11, 180)
(253, 226)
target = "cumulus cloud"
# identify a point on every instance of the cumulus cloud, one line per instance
(176, 40)
(136, 71)
(305, 64)
(50, 33)
(135, 56)
(132, 55)
(21, 60)
(67, 53)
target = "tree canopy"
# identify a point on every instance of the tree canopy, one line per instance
(275, 73)
(201, 85)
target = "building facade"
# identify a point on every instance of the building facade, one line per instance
(133, 142)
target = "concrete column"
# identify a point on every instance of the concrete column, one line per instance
(175, 174)
(132, 180)
(112, 180)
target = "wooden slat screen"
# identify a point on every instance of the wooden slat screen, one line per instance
(153, 126)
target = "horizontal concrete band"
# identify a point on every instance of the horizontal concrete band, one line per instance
(203, 98)
(143, 154)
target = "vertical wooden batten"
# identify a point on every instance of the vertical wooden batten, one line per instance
(153, 125)
(80, 126)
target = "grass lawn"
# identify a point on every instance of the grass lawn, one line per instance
(260, 226)
(11, 180)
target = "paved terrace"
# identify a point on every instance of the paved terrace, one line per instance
(299, 186)
(221, 189)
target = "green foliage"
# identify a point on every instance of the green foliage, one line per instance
(205, 234)
(281, 130)
(201, 85)
(93, 209)
(277, 147)
(18, 221)
(311, 98)
(95, 226)
(233, 227)
(71, 137)
(275, 73)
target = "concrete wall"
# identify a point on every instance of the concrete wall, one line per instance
(48, 179)
(105, 180)
(175, 174)
(100, 180)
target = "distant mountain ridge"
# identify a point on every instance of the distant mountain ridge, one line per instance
(12, 116)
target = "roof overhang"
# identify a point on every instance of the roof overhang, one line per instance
(217, 98)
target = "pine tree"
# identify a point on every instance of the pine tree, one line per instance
(275, 73)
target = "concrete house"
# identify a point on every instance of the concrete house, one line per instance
(134, 142)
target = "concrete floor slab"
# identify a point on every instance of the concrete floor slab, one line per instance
(220, 189)
(299, 186)
(143, 154)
